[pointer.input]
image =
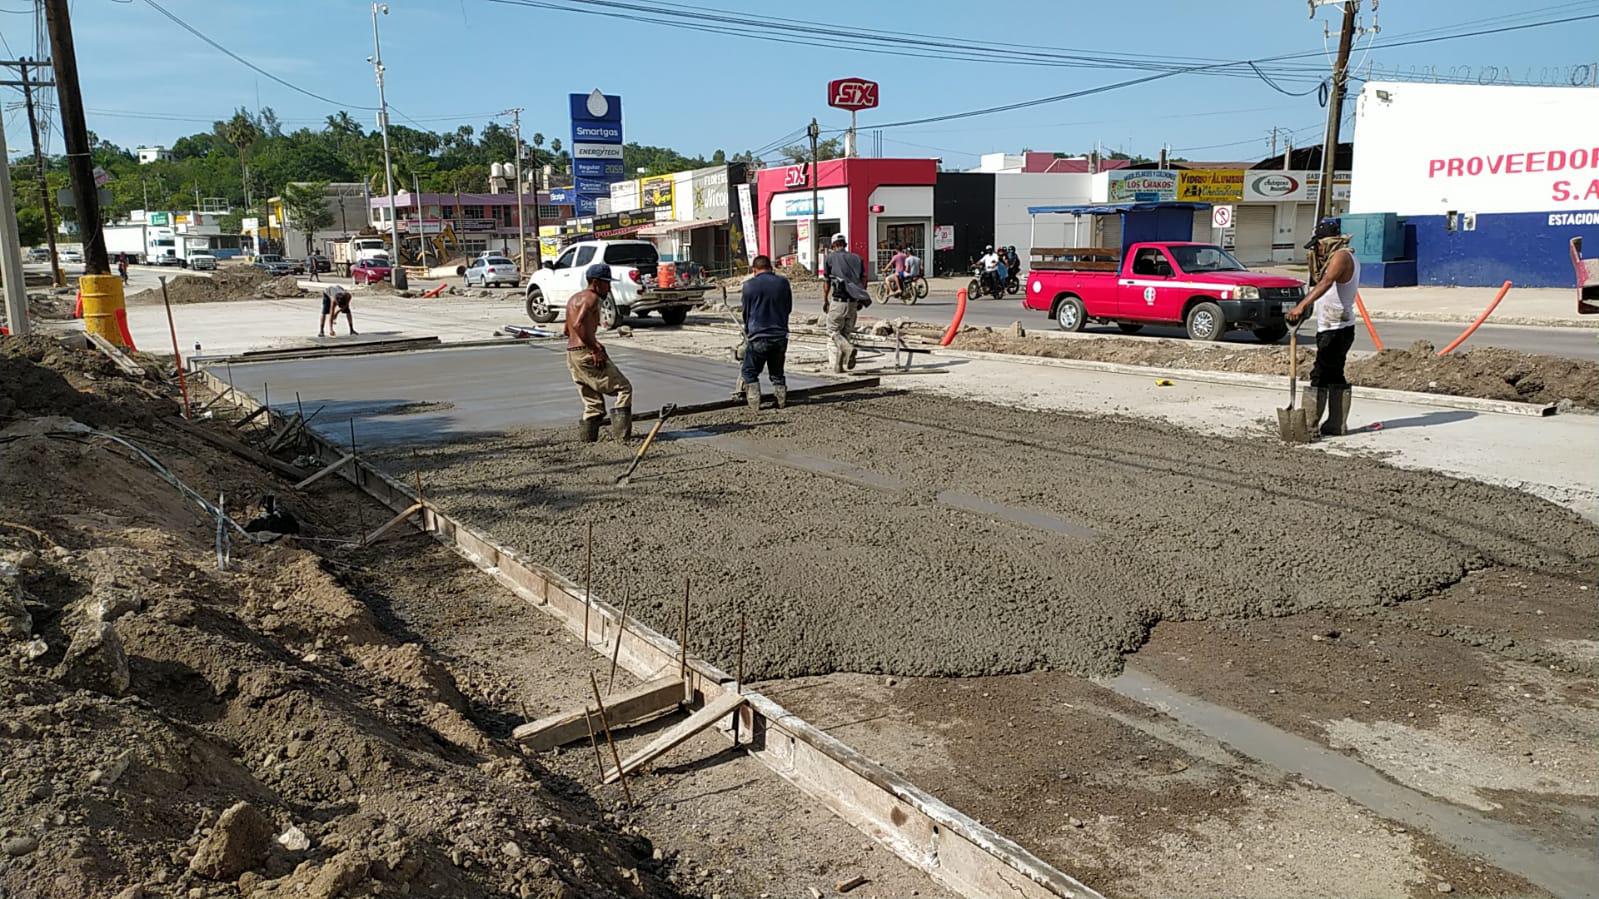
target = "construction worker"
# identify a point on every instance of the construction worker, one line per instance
(1334, 300)
(595, 375)
(843, 297)
(335, 300)
(765, 304)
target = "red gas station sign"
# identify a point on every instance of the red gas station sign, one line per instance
(852, 93)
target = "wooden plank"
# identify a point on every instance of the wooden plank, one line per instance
(674, 736)
(117, 355)
(328, 469)
(624, 709)
(793, 396)
(391, 524)
(238, 449)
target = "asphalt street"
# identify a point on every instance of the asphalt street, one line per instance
(1576, 343)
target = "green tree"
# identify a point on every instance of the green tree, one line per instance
(831, 148)
(243, 133)
(306, 205)
(538, 138)
(30, 225)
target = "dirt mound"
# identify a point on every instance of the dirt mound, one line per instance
(220, 286)
(1484, 372)
(43, 375)
(923, 536)
(172, 729)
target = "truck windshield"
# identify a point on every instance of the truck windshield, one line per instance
(1195, 258)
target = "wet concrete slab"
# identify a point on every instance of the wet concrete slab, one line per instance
(437, 396)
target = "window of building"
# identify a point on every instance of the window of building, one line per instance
(472, 212)
(549, 213)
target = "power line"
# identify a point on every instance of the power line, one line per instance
(248, 64)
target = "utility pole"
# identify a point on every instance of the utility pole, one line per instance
(1274, 140)
(396, 271)
(1335, 109)
(11, 252)
(421, 230)
(815, 132)
(75, 136)
(45, 200)
(521, 218)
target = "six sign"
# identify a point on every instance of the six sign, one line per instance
(852, 93)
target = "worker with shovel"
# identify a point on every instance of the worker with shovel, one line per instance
(1334, 300)
(595, 375)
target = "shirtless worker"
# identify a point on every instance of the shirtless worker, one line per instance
(595, 375)
(1333, 298)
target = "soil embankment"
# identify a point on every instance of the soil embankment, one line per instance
(916, 535)
(1486, 372)
(222, 286)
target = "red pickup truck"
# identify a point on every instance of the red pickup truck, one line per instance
(1197, 285)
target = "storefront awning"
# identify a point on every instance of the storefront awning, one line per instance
(1110, 208)
(663, 228)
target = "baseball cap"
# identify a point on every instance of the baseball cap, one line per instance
(599, 271)
(1331, 226)
(839, 239)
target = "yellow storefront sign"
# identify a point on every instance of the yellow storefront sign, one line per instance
(1210, 185)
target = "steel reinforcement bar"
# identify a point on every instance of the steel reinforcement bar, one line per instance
(952, 848)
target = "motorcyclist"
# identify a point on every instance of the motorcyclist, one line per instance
(1013, 261)
(913, 265)
(896, 272)
(989, 264)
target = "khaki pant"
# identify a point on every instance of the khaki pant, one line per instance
(595, 384)
(840, 324)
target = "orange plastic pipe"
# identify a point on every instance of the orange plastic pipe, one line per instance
(1480, 319)
(955, 324)
(435, 292)
(1366, 317)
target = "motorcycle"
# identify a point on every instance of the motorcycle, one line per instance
(910, 290)
(1013, 283)
(985, 283)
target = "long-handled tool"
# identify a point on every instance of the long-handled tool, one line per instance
(626, 476)
(1291, 423)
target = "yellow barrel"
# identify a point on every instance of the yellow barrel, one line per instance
(102, 306)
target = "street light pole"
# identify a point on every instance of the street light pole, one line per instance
(396, 272)
(521, 220)
(814, 131)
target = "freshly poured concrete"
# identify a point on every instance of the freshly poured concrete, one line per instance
(404, 399)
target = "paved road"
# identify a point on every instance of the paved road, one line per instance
(1576, 343)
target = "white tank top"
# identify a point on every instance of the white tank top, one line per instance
(1336, 308)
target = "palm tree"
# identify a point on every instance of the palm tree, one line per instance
(242, 132)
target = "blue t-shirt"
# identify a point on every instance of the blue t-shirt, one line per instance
(768, 300)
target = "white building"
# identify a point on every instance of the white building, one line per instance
(148, 155)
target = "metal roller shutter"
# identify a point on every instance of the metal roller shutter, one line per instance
(1110, 231)
(1304, 227)
(1255, 229)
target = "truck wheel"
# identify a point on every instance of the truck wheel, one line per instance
(610, 315)
(537, 309)
(1206, 322)
(1069, 314)
(674, 315)
(1130, 327)
(1271, 333)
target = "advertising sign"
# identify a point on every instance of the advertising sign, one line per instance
(801, 206)
(852, 93)
(709, 187)
(656, 192)
(596, 146)
(1421, 149)
(943, 237)
(560, 196)
(1134, 186)
(1210, 185)
(1292, 186)
(160, 218)
(746, 208)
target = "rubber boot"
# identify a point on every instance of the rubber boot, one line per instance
(752, 396)
(622, 423)
(1337, 423)
(1314, 401)
(738, 391)
(780, 395)
(850, 363)
(835, 358)
(588, 430)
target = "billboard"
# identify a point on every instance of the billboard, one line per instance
(852, 94)
(1210, 185)
(656, 192)
(596, 146)
(1432, 149)
(1141, 186)
(1292, 186)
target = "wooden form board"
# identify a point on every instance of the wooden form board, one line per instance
(707, 716)
(953, 849)
(622, 710)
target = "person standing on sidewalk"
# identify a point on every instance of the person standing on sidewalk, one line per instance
(1334, 300)
(844, 295)
(310, 267)
(595, 375)
(766, 302)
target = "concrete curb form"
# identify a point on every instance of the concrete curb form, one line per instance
(1522, 321)
(950, 847)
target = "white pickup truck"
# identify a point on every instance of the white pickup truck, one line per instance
(633, 287)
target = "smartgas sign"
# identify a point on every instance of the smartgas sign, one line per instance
(596, 146)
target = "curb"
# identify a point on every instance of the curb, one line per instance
(1520, 321)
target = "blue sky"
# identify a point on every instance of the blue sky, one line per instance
(450, 62)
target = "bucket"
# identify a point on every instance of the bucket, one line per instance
(103, 311)
(666, 274)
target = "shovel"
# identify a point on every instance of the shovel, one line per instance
(1291, 424)
(626, 476)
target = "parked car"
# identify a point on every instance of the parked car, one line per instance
(275, 264)
(73, 256)
(38, 254)
(202, 262)
(1197, 285)
(370, 271)
(489, 271)
(633, 265)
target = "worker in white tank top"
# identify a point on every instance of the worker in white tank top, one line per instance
(1333, 298)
